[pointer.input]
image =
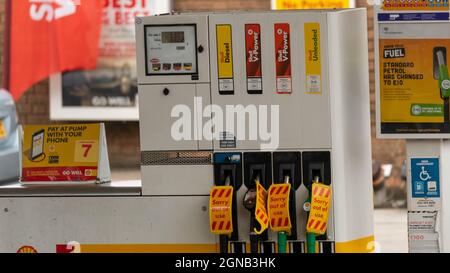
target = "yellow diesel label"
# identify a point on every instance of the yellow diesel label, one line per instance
(225, 58)
(313, 59)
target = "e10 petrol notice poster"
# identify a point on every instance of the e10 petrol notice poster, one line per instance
(414, 80)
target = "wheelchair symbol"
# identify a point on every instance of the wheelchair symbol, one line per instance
(424, 175)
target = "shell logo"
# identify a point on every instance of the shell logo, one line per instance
(27, 249)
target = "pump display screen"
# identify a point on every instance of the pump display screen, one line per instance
(171, 50)
(172, 37)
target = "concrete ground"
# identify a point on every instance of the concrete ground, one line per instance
(390, 224)
(391, 232)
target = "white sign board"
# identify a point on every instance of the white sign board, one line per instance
(110, 91)
(422, 234)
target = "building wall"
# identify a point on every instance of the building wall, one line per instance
(123, 137)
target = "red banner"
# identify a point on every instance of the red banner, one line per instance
(253, 51)
(49, 37)
(59, 174)
(283, 58)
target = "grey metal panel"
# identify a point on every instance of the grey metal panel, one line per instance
(203, 91)
(45, 222)
(177, 179)
(155, 114)
(297, 128)
(116, 188)
(350, 124)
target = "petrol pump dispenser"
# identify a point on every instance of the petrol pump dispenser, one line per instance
(228, 172)
(257, 169)
(287, 169)
(258, 104)
(316, 170)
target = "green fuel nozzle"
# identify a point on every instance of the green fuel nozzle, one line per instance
(282, 236)
(310, 237)
(444, 79)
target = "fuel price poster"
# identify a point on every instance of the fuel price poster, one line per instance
(72, 153)
(414, 86)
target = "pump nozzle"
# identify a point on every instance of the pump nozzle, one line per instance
(250, 205)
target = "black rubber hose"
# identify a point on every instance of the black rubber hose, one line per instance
(223, 241)
(446, 111)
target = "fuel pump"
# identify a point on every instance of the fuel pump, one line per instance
(441, 71)
(287, 170)
(257, 170)
(214, 63)
(227, 180)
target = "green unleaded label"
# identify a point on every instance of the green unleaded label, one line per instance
(427, 110)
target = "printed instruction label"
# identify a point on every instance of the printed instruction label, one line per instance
(422, 234)
(227, 140)
(425, 184)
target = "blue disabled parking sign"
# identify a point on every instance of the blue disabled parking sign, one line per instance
(425, 177)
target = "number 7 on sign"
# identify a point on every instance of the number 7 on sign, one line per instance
(86, 147)
(86, 151)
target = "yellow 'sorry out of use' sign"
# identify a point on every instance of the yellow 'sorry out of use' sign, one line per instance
(320, 208)
(220, 210)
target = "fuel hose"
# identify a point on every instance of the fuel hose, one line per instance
(311, 237)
